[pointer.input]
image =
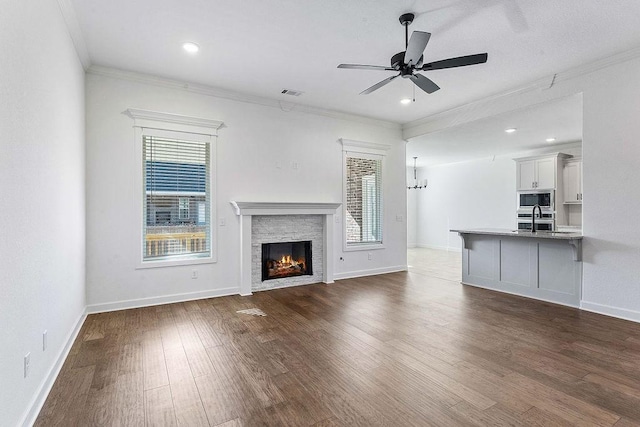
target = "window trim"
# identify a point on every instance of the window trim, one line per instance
(370, 150)
(179, 127)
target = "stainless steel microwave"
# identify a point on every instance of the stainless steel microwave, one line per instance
(528, 199)
(544, 214)
(541, 225)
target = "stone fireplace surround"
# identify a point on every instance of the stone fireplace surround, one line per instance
(247, 210)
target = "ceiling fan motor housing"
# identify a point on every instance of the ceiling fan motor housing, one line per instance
(397, 62)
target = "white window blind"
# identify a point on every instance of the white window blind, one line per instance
(177, 217)
(363, 199)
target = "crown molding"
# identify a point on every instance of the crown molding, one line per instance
(73, 26)
(536, 91)
(598, 64)
(235, 96)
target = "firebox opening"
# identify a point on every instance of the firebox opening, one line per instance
(286, 259)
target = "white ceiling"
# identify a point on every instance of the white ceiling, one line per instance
(260, 47)
(560, 119)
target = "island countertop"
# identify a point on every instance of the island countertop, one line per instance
(557, 235)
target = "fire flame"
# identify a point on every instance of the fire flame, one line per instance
(287, 261)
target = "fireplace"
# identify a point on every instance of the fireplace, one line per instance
(276, 222)
(286, 259)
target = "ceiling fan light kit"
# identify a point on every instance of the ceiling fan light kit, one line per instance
(411, 60)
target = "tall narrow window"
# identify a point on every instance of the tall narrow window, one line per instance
(363, 199)
(176, 175)
(362, 204)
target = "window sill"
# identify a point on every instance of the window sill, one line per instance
(363, 247)
(174, 262)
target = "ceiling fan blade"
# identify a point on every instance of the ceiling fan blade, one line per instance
(424, 83)
(378, 85)
(460, 61)
(417, 44)
(365, 67)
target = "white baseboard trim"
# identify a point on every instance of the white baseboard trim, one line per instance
(40, 397)
(371, 272)
(566, 304)
(165, 299)
(412, 245)
(440, 248)
(607, 310)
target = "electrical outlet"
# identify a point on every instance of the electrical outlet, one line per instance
(194, 274)
(278, 164)
(399, 218)
(223, 222)
(44, 340)
(369, 256)
(27, 361)
(295, 165)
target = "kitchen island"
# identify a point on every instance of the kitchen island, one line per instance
(543, 265)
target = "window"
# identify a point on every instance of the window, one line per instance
(183, 206)
(362, 204)
(176, 172)
(174, 188)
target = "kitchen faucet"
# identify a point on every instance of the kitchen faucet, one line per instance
(533, 217)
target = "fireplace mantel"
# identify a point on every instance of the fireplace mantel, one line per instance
(245, 210)
(284, 208)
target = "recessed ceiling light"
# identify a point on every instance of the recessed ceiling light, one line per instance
(550, 139)
(405, 101)
(510, 130)
(191, 47)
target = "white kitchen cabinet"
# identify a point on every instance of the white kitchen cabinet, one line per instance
(546, 173)
(572, 177)
(526, 174)
(537, 173)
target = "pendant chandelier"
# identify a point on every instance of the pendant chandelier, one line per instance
(417, 185)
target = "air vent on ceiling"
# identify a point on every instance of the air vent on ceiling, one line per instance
(291, 92)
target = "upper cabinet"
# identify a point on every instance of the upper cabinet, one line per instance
(538, 173)
(526, 172)
(572, 176)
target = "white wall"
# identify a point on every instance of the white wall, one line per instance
(253, 140)
(42, 191)
(412, 210)
(474, 194)
(611, 173)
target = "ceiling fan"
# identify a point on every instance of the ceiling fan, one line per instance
(410, 61)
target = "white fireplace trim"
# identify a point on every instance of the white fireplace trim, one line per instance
(245, 210)
(269, 208)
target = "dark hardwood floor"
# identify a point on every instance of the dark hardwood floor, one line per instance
(402, 349)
